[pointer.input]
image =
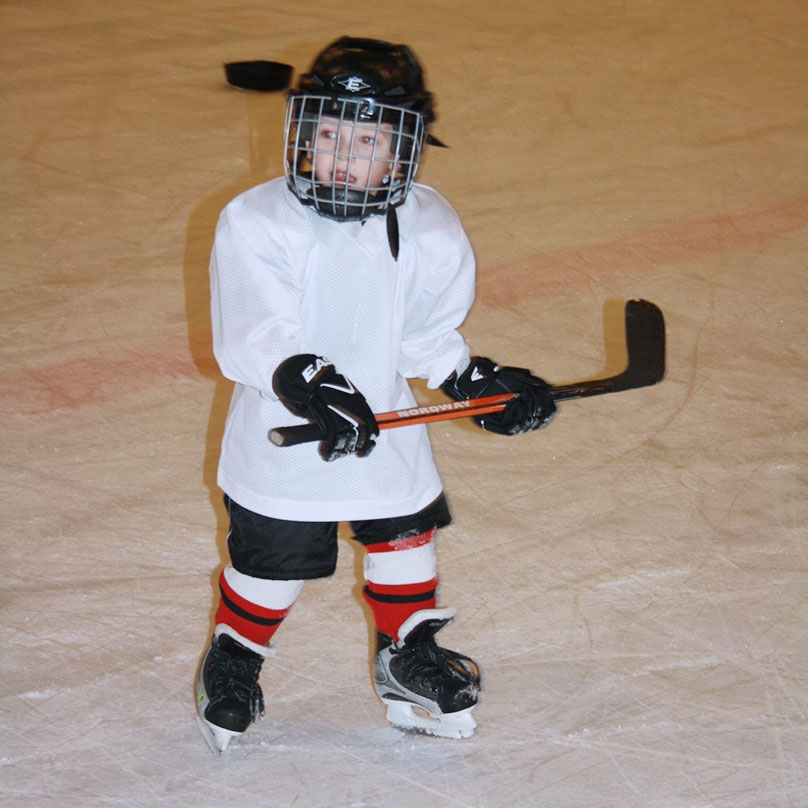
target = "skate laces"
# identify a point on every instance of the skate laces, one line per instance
(237, 676)
(430, 663)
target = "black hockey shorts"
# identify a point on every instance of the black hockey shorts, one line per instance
(280, 550)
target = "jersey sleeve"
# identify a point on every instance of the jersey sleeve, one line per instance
(255, 302)
(433, 346)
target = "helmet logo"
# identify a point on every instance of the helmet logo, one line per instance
(354, 84)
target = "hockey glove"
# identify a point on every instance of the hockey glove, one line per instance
(532, 408)
(311, 387)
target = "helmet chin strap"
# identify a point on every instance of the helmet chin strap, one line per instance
(392, 232)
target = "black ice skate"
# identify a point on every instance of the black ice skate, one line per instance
(228, 696)
(415, 672)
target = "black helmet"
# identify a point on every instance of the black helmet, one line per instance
(357, 91)
(370, 68)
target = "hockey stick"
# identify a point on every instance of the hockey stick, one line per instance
(645, 345)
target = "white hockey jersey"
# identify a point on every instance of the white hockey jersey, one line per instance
(284, 281)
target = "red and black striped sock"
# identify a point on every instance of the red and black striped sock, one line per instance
(393, 604)
(253, 622)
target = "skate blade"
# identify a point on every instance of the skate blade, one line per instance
(447, 725)
(217, 738)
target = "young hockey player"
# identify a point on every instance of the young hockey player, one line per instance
(330, 288)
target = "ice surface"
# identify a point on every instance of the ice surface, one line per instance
(632, 580)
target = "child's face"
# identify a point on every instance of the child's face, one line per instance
(353, 155)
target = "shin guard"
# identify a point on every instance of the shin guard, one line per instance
(401, 579)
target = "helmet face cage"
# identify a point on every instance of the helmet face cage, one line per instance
(350, 158)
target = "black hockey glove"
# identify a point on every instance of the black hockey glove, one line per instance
(311, 387)
(531, 409)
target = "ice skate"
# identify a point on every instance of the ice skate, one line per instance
(427, 689)
(228, 696)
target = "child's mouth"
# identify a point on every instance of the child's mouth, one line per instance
(343, 178)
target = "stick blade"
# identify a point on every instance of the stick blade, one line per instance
(645, 345)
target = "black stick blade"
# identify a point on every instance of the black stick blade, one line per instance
(645, 343)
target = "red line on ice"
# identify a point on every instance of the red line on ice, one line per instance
(544, 274)
(96, 379)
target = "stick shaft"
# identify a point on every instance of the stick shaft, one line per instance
(443, 411)
(305, 433)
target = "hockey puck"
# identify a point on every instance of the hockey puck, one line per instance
(265, 77)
